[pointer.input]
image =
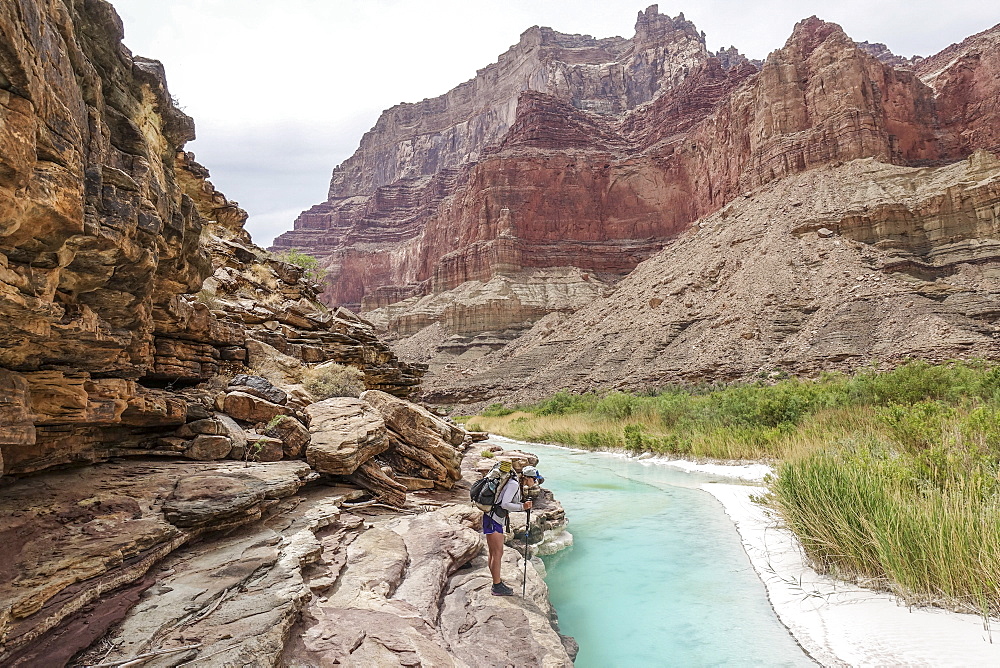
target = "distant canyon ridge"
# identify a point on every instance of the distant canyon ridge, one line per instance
(832, 206)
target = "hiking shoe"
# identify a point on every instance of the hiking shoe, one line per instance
(500, 589)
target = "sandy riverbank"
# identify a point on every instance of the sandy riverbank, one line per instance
(842, 624)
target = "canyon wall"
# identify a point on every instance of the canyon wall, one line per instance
(600, 178)
(108, 234)
(964, 78)
(832, 269)
(371, 228)
(142, 332)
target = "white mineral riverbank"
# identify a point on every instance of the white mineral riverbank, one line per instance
(839, 623)
(836, 622)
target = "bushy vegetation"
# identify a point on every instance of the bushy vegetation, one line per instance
(333, 380)
(313, 271)
(890, 478)
(748, 421)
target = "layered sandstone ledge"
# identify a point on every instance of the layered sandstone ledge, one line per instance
(283, 563)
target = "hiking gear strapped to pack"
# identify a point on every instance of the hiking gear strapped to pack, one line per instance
(527, 548)
(485, 493)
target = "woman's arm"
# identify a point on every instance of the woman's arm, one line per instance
(510, 497)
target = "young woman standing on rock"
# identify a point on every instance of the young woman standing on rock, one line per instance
(509, 501)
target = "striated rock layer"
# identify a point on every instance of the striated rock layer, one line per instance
(124, 275)
(418, 156)
(832, 269)
(964, 78)
(599, 178)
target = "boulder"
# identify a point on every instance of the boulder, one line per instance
(210, 499)
(205, 426)
(205, 447)
(293, 435)
(345, 432)
(262, 448)
(280, 368)
(299, 396)
(258, 386)
(421, 444)
(250, 408)
(414, 423)
(229, 428)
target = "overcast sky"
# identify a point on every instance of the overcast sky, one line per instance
(281, 92)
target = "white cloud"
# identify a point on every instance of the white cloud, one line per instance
(282, 92)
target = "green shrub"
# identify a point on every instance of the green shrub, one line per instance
(489, 454)
(635, 438)
(619, 406)
(313, 271)
(563, 403)
(918, 426)
(333, 380)
(670, 408)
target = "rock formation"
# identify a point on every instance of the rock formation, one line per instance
(259, 563)
(125, 277)
(419, 157)
(964, 78)
(578, 180)
(831, 269)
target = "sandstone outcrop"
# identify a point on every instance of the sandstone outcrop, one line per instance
(421, 445)
(82, 544)
(142, 326)
(125, 277)
(345, 433)
(303, 575)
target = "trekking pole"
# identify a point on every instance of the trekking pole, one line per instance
(527, 527)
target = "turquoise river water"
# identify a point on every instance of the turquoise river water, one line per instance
(657, 575)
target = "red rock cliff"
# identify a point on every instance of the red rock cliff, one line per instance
(564, 185)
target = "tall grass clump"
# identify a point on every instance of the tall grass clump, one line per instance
(881, 516)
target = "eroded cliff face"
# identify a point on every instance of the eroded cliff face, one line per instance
(964, 78)
(566, 181)
(830, 269)
(108, 233)
(373, 226)
(139, 323)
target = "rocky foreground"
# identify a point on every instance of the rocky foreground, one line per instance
(259, 564)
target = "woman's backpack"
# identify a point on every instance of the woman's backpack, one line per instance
(485, 493)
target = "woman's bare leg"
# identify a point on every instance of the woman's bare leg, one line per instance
(494, 541)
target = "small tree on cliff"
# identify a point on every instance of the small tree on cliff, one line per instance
(313, 271)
